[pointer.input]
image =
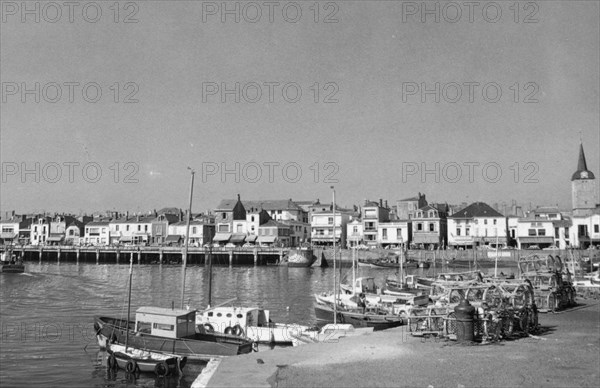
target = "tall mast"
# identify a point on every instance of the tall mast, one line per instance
(335, 289)
(187, 238)
(129, 301)
(210, 268)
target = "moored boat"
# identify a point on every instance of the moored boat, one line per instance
(9, 263)
(253, 322)
(329, 333)
(169, 330)
(138, 360)
(372, 318)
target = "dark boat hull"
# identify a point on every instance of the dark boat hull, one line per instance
(324, 313)
(12, 268)
(199, 346)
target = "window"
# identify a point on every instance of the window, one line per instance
(223, 215)
(194, 230)
(384, 232)
(596, 228)
(531, 232)
(556, 233)
(541, 232)
(224, 228)
(127, 228)
(330, 220)
(467, 232)
(117, 228)
(399, 232)
(355, 230)
(139, 228)
(239, 228)
(145, 228)
(420, 226)
(164, 326)
(485, 222)
(495, 221)
(144, 327)
(432, 227)
(252, 219)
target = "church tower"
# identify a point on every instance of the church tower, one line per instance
(583, 188)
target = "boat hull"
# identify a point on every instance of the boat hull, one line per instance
(325, 313)
(135, 360)
(12, 268)
(199, 346)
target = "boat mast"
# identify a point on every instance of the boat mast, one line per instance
(129, 302)
(187, 238)
(401, 260)
(353, 270)
(210, 269)
(335, 290)
(496, 264)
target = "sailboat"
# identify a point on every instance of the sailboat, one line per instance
(140, 360)
(170, 330)
(344, 309)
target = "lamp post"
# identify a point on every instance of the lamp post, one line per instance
(335, 289)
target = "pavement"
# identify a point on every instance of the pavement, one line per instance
(565, 353)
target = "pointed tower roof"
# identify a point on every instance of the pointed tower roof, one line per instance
(582, 171)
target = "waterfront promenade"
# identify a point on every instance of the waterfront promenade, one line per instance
(566, 353)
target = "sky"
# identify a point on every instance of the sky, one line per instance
(377, 98)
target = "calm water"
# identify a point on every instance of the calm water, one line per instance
(46, 326)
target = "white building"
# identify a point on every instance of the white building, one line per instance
(477, 225)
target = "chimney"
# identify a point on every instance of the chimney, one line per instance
(238, 197)
(138, 218)
(127, 215)
(386, 204)
(380, 202)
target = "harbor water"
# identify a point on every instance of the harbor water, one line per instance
(46, 314)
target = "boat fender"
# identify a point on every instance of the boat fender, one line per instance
(208, 327)
(255, 346)
(237, 330)
(111, 362)
(161, 369)
(228, 330)
(131, 366)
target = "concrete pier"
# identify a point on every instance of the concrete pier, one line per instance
(566, 352)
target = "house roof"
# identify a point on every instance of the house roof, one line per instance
(168, 210)
(267, 204)
(97, 223)
(477, 209)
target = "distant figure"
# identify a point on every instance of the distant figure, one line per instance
(362, 302)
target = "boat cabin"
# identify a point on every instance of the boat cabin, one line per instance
(366, 285)
(220, 318)
(165, 322)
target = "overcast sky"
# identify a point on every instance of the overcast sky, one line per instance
(362, 123)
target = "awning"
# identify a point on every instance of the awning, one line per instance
(426, 239)
(222, 237)
(125, 239)
(537, 240)
(251, 238)
(173, 238)
(324, 238)
(55, 237)
(266, 239)
(7, 235)
(237, 238)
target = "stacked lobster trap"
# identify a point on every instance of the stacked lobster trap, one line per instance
(503, 310)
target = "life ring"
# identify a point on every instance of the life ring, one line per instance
(161, 369)
(255, 346)
(208, 327)
(111, 362)
(237, 330)
(228, 330)
(131, 366)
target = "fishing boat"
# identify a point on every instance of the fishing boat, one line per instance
(137, 360)
(9, 263)
(301, 257)
(371, 317)
(251, 322)
(171, 330)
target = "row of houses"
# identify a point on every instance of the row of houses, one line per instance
(411, 222)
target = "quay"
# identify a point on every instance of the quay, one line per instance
(151, 254)
(566, 353)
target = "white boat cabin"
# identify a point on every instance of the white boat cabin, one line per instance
(165, 322)
(366, 285)
(221, 318)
